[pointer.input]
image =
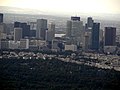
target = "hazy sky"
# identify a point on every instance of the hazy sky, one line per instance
(67, 6)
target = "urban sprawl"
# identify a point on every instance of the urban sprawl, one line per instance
(82, 44)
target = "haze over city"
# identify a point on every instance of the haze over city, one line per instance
(67, 7)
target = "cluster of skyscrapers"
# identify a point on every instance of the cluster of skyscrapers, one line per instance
(41, 35)
(31, 35)
(90, 36)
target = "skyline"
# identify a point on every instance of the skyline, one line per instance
(68, 7)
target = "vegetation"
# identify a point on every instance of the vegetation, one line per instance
(54, 75)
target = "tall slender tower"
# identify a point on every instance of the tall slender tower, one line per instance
(41, 28)
(50, 33)
(1, 18)
(89, 22)
(95, 36)
(110, 36)
(69, 28)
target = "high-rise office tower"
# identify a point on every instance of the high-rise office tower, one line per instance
(1, 18)
(77, 28)
(110, 36)
(32, 33)
(51, 27)
(87, 40)
(89, 22)
(17, 34)
(75, 18)
(95, 36)
(32, 29)
(69, 28)
(50, 33)
(17, 24)
(41, 28)
(75, 31)
(25, 30)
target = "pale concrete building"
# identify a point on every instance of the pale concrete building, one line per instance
(41, 28)
(17, 34)
(50, 33)
(24, 44)
(71, 47)
(13, 44)
(75, 32)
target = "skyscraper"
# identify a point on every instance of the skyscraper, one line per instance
(89, 22)
(50, 33)
(110, 36)
(17, 34)
(75, 31)
(1, 18)
(41, 28)
(95, 36)
(69, 28)
(25, 30)
(75, 18)
(17, 24)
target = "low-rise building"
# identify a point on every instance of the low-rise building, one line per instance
(109, 49)
(71, 47)
(24, 44)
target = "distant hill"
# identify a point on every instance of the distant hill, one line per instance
(6, 9)
(12, 14)
(98, 16)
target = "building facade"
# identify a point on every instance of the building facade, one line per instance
(1, 18)
(75, 31)
(95, 36)
(41, 29)
(110, 36)
(17, 34)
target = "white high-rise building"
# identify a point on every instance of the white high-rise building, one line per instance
(17, 34)
(41, 28)
(75, 32)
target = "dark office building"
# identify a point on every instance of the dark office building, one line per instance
(75, 18)
(32, 33)
(17, 24)
(41, 28)
(95, 36)
(24, 27)
(27, 34)
(89, 22)
(4, 44)
(1, 18)
(110, 36)
(25, 30)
